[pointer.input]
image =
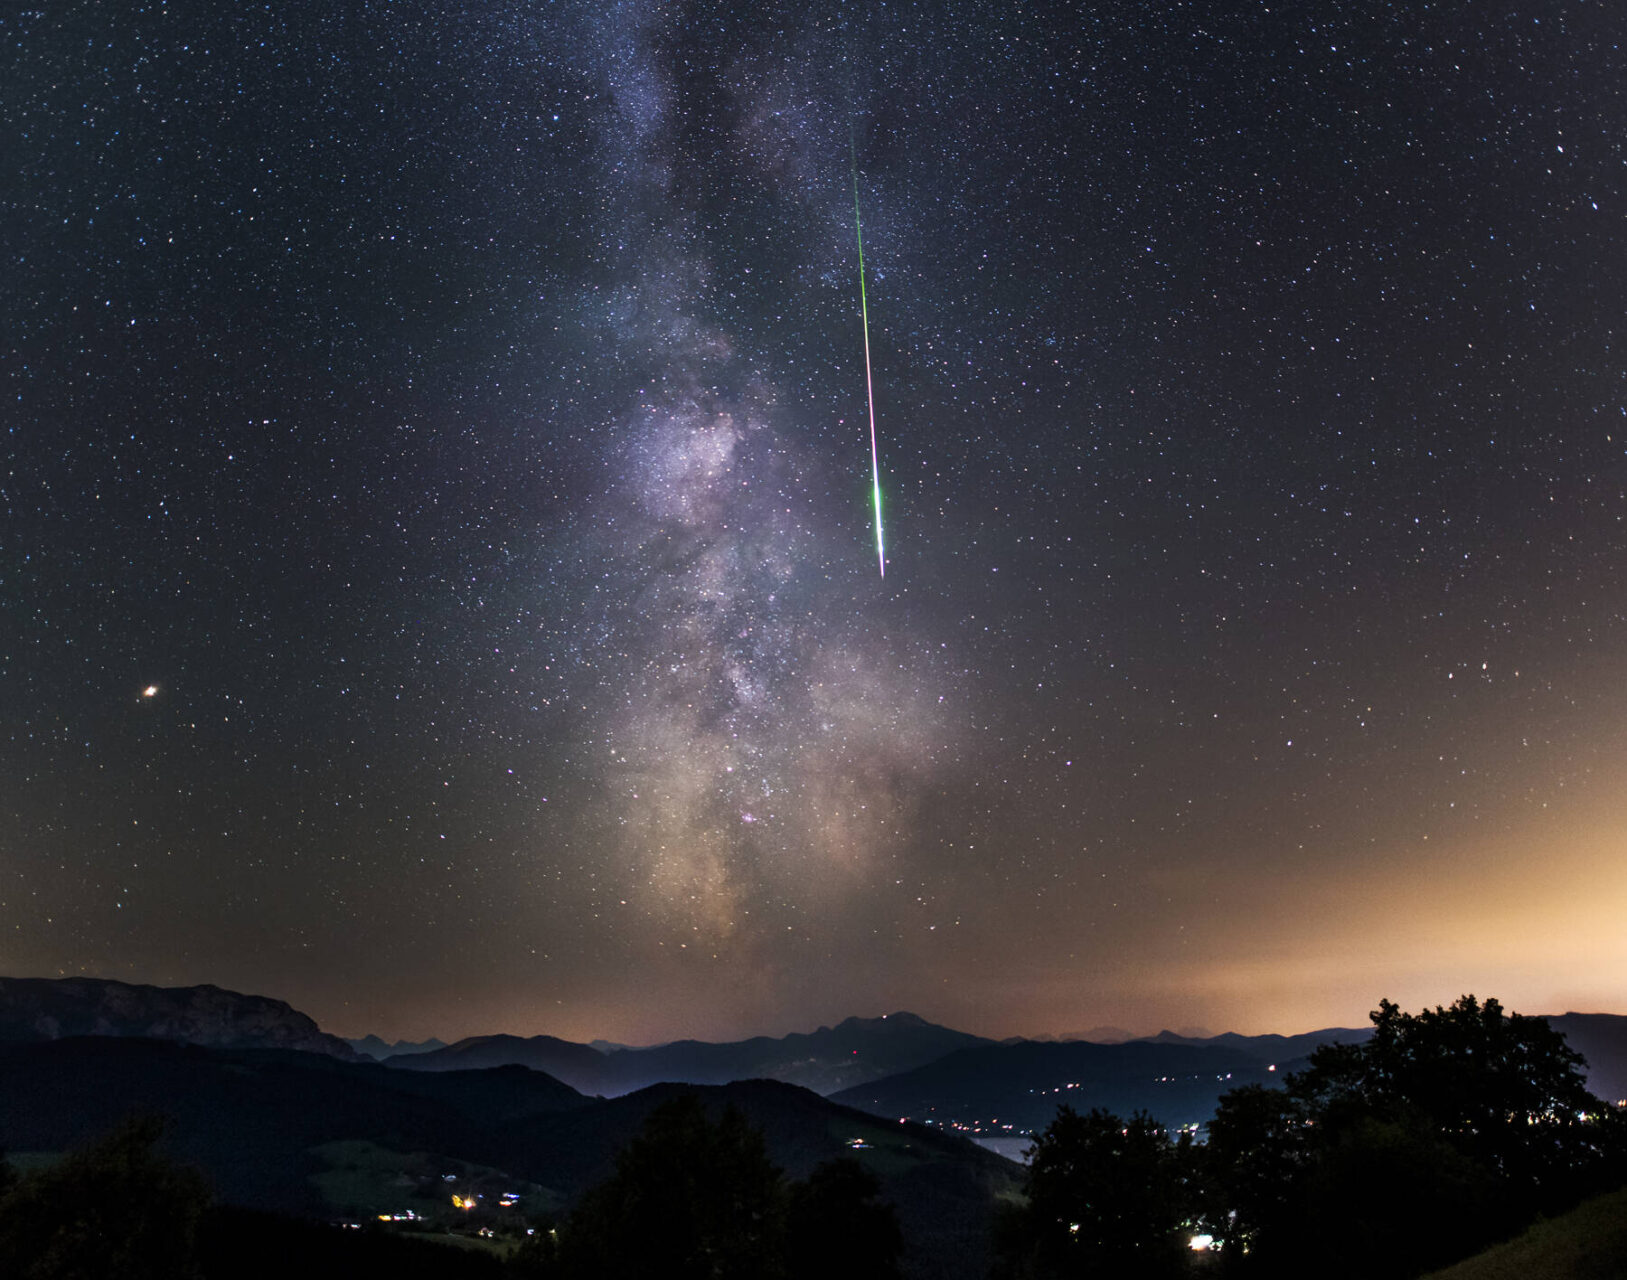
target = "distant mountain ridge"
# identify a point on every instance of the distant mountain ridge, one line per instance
(33, 1009)
(853, 1052)
(1015, 1086)
(578, 1065)
(1267, 1048)
(912, 1064)
(1012, 1089)
(1601, 1038)
(377, 1048)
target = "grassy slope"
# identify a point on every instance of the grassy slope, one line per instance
(1588, 1243)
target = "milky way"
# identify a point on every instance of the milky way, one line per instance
(772, 723)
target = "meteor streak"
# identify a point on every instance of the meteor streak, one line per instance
(869, 382)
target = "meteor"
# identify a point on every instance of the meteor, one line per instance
(869, 382)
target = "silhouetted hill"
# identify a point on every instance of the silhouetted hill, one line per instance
(578, 1065)
(943, 1187)
(51, 1008)
(831, 1058)
(1588, 1243)
(1015, 1088)
(251, 1117)
(275, 1130)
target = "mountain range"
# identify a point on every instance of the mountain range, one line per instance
(1015, 1088)
(897, 1065)
(378, 1049)
(853, 1052)
(51, 1008)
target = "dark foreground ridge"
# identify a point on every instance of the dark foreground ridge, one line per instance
(1587, 1243)
(330, 1140)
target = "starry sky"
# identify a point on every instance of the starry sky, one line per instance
(437, 571)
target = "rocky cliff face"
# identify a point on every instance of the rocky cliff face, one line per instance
(52, 1008)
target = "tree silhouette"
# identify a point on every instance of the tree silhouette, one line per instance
(838, 1225)
(1257, 1155)
(1445, 1130)
(112, 1208)
(1503, 1090)
(1107, 1197)
(689, 1200)
(694, 1199)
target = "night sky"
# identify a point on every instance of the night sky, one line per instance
(437, 575)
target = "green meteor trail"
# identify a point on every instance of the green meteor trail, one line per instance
(869, 382)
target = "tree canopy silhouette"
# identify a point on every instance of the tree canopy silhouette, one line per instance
(114, 1207)
(838, 1225)
(1107, 1197)
(1444, 1130)
(1504, 1090)
(694, 1199)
